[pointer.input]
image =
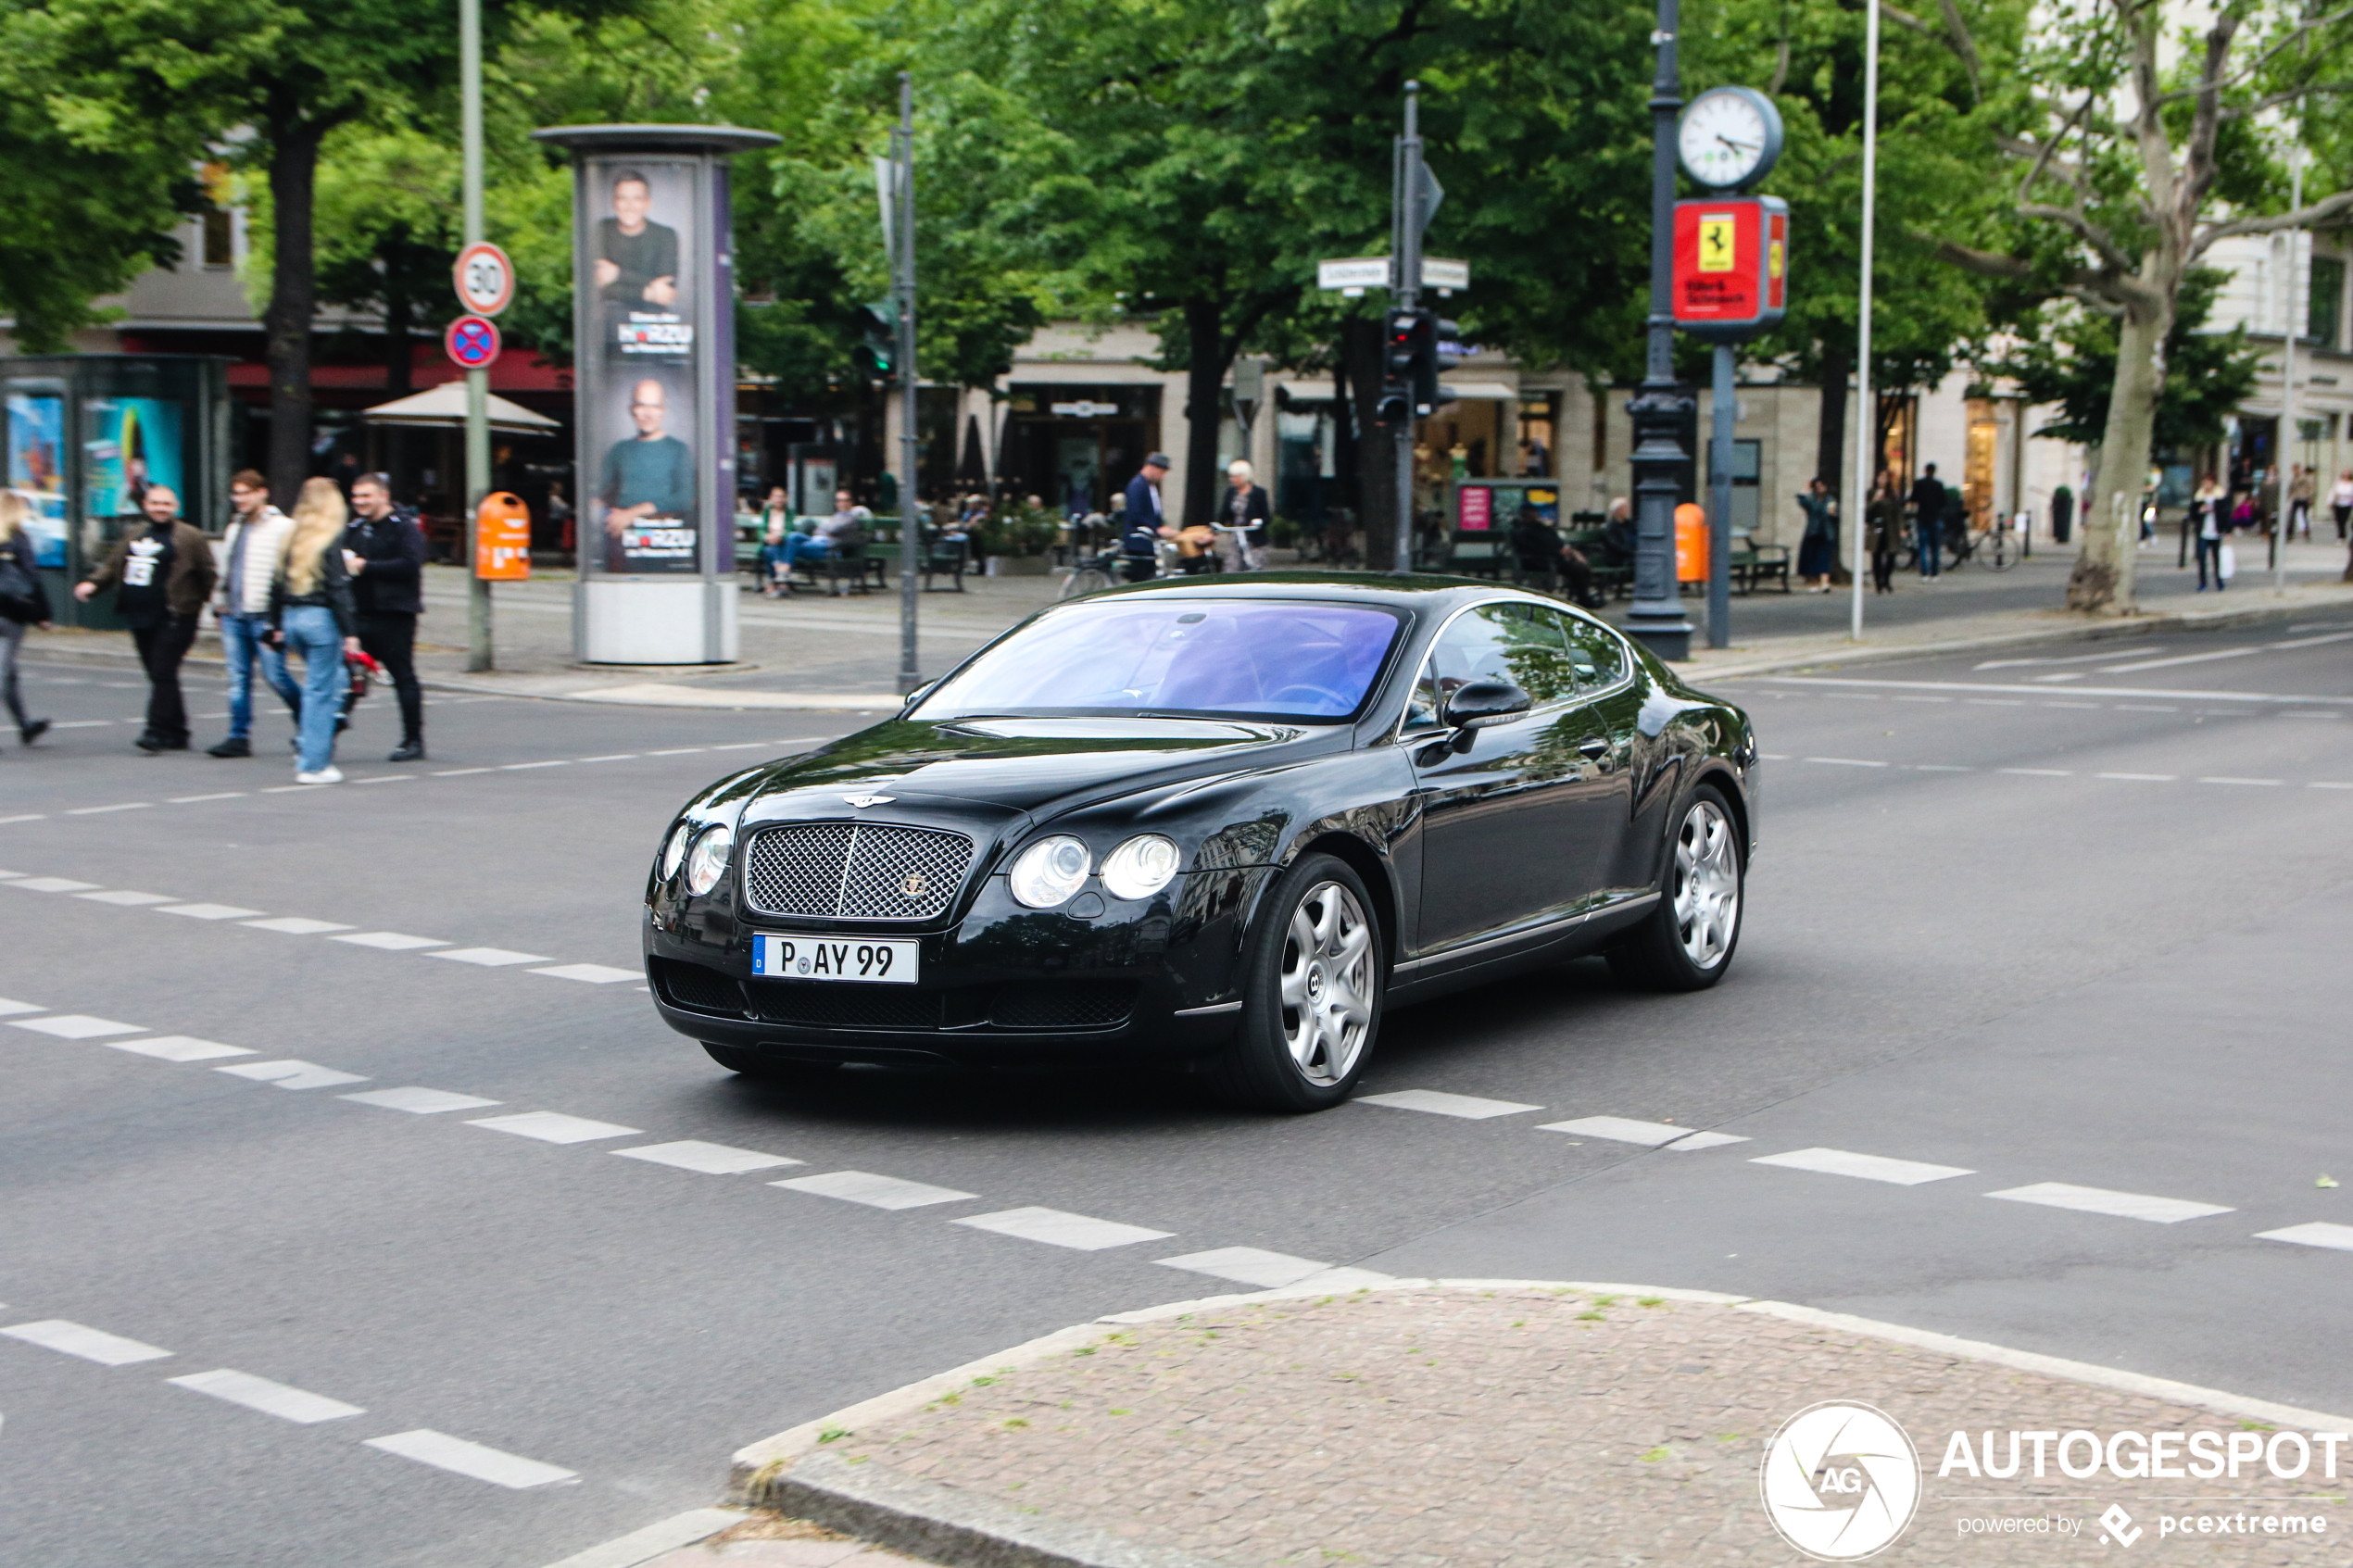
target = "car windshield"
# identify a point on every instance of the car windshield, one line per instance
(1178, 654)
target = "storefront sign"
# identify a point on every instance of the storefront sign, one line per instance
(1732, 266)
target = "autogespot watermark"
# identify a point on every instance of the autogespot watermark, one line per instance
(1842, 1481)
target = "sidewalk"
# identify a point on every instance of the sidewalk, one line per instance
(1491, 1424)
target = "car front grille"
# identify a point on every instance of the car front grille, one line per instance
(855, 871)
(847, 1007)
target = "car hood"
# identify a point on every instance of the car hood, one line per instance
(1026, 765)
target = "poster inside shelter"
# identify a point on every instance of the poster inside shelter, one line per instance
(134, 443)
(36, 470)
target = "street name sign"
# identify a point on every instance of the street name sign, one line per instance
(1354, 274)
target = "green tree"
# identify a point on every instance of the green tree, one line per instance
(2070, 363)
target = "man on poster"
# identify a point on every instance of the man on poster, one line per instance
(636, 259)
(648, 476)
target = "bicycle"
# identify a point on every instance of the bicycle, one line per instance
(1995, 548)
(1108, 568)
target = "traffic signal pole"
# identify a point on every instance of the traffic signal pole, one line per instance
(1406, 248)
(910, 544)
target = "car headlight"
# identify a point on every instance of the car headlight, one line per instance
(1140, 867)
(707, 862)
(1049, 871)
(675, 851)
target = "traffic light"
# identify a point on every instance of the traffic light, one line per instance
(1435, 330)
(879, 321)
(1398, 380)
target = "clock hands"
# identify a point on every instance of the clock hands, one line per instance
(1740, 146)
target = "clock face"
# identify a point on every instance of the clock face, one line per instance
(1726, 137)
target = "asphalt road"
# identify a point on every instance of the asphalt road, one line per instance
(2013, 922)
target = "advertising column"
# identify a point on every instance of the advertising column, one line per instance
(654, 379)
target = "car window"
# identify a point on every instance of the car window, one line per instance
(1599, 657)
(1175, 654)
(1520, 642)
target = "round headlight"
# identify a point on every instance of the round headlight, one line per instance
(1049, 871)
(707, 862)
(675, 851)
(1140, 867)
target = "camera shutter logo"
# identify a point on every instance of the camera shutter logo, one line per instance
(1840, 1481)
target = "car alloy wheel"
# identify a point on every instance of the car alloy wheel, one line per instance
(1326, 983)
(1708, 884)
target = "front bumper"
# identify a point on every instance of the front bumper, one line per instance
(1003, 985)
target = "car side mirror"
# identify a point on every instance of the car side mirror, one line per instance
(1481, 703)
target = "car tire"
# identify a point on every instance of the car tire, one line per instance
(769, 1069)
(1314, 980)
(1686, 943)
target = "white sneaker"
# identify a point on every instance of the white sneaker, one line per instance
(328, 775)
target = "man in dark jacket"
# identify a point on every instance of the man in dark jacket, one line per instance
(161, 575)
(385, 550)
(1928, 519)
(1143, 525)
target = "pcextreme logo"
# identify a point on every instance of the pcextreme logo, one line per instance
(1840, 1481)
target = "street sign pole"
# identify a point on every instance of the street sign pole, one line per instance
(478, 649)
(1858, 500)
(1406, 246)
(1725, 405)
(903, 139)
(1656, 618)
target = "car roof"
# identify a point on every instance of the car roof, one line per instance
(1422, 592)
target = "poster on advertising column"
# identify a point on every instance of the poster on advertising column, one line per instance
(641, 399)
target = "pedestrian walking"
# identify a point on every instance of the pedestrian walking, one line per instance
(1927, 520)
(2341, 502)
(257, 538)
(385, 551)
(1818, 549)
(312, 612)
(23, 602)
(1143, 521)
(1883, 517)
(161, 575)
(2303, 487)
(2207, 525)
(1242, 520)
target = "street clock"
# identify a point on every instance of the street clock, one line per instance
(1730, 137)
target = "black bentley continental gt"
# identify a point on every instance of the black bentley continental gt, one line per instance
(1214, 822)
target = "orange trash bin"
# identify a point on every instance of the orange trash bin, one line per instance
(1690, 542)
(502, 538)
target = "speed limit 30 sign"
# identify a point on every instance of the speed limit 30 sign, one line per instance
(486, 279)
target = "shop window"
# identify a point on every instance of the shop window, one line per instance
(2325, 310)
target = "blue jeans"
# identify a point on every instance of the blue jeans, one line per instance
(1932, 547)
(240, 641)
(2209, 551)
(311, 632)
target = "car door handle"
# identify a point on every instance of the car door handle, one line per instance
(1593, 746)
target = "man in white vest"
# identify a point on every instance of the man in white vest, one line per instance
(250, 552)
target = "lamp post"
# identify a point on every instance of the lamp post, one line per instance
(2289, 441)
(1656, 619)
(903, 269)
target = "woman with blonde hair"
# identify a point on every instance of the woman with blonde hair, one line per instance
(23, 602)
(312, 613)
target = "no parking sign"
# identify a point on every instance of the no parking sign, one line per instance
(471, 342)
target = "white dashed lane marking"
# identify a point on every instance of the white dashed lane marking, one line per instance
(282, 1401)
(127, 898)
(2319, 1233)
(390, 941)
(290, 1073)
(875, 1192)
(1869, 1166)
(590, 974)
(1057, 1228)
(1438, 1102)
(1247, 1265)
(553, 1126)
(488, 958)
(89, 1344)
(80, 1026)
(459, 1456)
(419, 1102)
(295, 925)
(179, 1047)
(1651, 1135)
(102, 810)
(51, 884)
(10, 1008)
(710, 1158)
(208, 912)
(2100, 1201)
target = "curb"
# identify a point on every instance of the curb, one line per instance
(962, 1529)
(1734, 668)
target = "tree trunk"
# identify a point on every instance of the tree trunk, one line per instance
(2102, 582)
(293, 292)
(1361, 345)
(399, 315)
(1204, 400)
(1832, 460)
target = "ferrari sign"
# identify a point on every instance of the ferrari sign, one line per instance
(1732, 266)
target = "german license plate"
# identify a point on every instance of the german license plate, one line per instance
(825, 958)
